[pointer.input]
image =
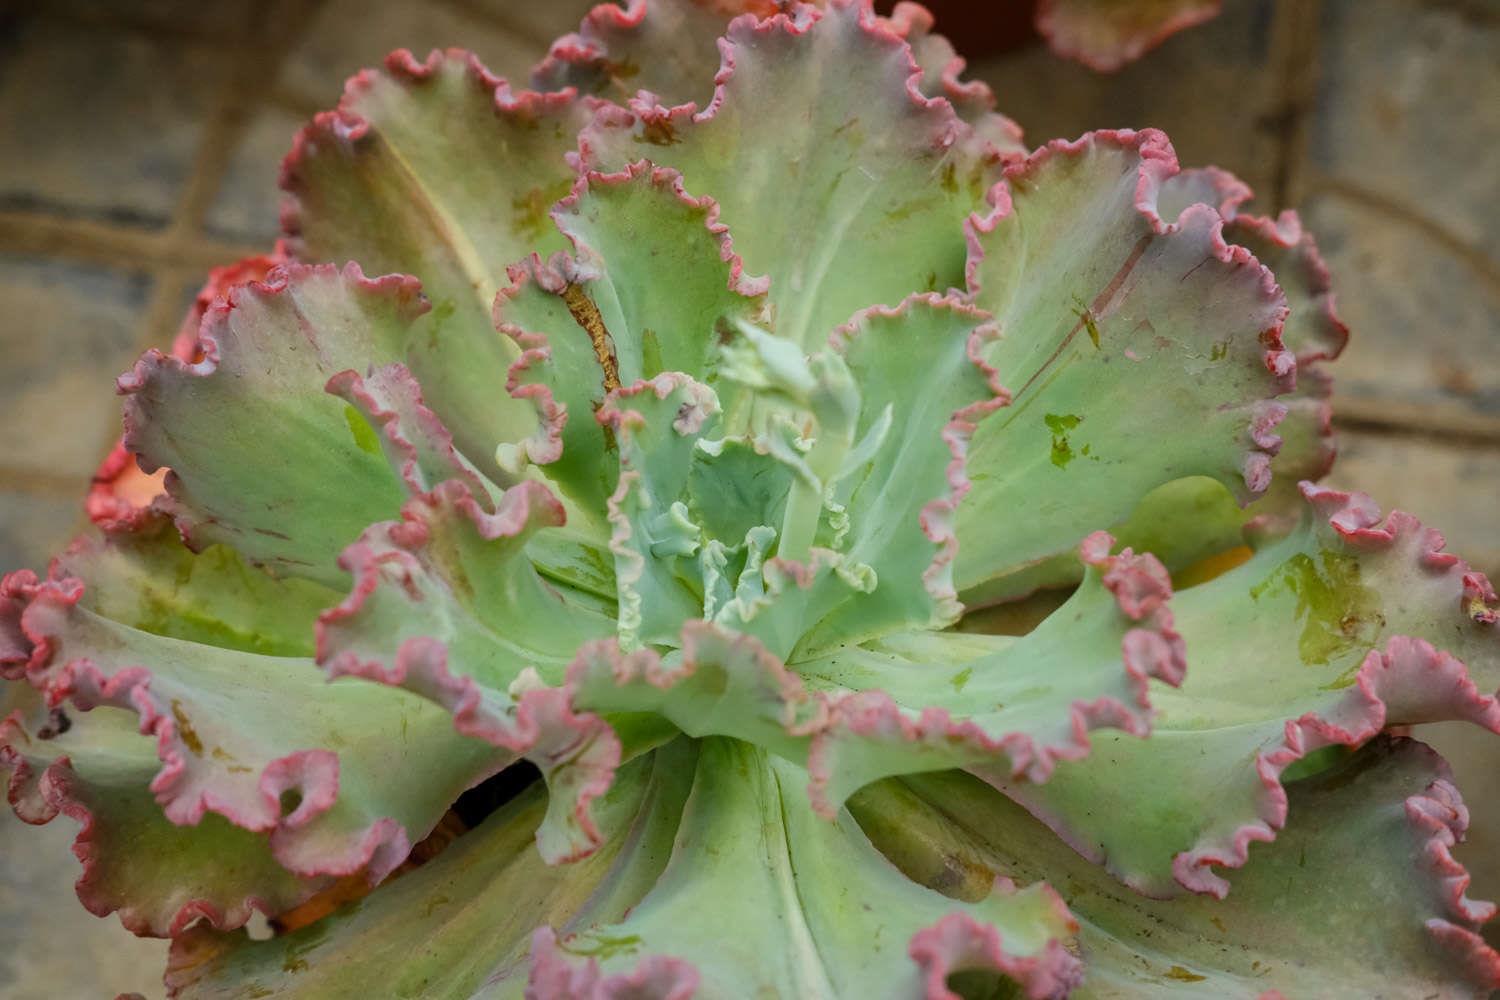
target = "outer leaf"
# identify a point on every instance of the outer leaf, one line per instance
(822, 154)
(1377, 911)
(461, 925)
(942, 72)
(1322, 639)
(261, 457)
(159, 877)
(815, 894)
(438, 169)
(1106, 34)
(228, 726)
(1091, 287)
(663, 46)
(446, 605)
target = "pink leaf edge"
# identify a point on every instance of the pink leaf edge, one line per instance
(1066, 41)
(203, 361)
(553, 977)
(959, 943)
(39, 798)
(543, 725)
(1151, 649)
(938, 515)
(32, 611)
(345, 128)
(1158, 165)
(946, 128)
(1429, 684)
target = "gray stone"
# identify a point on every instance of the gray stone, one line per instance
(70, 330)
(99, 122)
(68, 951)
(247, 206)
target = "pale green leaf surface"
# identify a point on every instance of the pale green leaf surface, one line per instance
(1313, 630)
(1135, 353)
(821, 161)
(1342, 905)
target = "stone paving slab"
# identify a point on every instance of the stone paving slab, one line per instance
(70, 329)
(109, 121)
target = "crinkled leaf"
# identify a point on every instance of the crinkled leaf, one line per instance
(446, 604)
(822, 157)
(261, 457)
(96, 768)
(263, 741)
(654, 287)
(460, 925)
(1325, 637)
(1359, 896)
(1136, 353)
(438, 169)
(929, 701)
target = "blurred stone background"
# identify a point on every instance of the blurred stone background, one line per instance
(140, 142)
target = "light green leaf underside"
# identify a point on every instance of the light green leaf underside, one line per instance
(1282, 635)
(1336, 907)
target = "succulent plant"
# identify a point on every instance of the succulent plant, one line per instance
(702, 462)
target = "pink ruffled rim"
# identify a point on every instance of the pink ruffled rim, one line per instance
(404, 291)
(121, 497)
(959, 943)
(1150, 649)
(1128, 47)
(345, 127)
(1158, 165)
(1428, 684)
(30, 643)
(554, 977)
(945, 127)
(39, 798)
(938, 515)
(391, 400)
(540, 723)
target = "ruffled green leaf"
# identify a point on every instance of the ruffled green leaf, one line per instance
(1325, 637)
(930, 701)
(822, 157)
(254, 443)
(1136, 353)
(654, 288)
(96, 769)
(438, 169)
(262, 741)
(446, 604)
(460, 925)
(1359, 896)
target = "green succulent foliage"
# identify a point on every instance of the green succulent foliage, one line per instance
(667, 455)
